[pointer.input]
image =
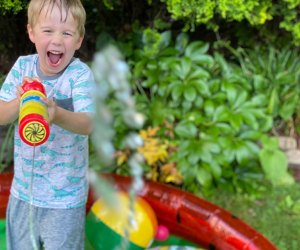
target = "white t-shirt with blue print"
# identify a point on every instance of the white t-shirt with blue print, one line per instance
(60, 164)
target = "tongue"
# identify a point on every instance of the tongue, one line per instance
(54, 58)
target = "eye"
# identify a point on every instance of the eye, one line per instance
(47, 31)
(67, 34)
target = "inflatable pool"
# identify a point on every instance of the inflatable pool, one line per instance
(192, 221)
(196, 220)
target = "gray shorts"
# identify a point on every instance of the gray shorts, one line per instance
(51, 229)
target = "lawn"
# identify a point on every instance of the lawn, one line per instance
(275, 214)
(2, 234)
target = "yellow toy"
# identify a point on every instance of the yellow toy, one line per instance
(33, 125)
(105, 226)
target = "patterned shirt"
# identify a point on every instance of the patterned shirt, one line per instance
(53, 174)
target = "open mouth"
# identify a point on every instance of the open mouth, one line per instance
(54, 57)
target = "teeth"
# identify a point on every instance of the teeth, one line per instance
(55, 52)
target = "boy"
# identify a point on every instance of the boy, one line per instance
(49, 189)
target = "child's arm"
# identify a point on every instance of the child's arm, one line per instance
(9, 111)
(76, 122)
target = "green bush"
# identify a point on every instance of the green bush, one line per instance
(12, 6)
(217, 116)
(258, 13)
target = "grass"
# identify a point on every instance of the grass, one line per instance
(275, 214)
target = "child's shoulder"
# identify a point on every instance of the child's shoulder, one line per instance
(26, 59)
(78, 68)
(32, 57)
(76, 63)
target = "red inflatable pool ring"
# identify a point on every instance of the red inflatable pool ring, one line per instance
(5, 183)
(196, 219)
(184, 214)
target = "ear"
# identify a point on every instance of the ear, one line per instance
(30, 33)
(79, 42)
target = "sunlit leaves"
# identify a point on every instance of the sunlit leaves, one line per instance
(219, 110)
(274, 162)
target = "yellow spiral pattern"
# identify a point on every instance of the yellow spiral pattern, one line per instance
(34, 132)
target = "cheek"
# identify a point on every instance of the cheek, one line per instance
(41, 46)
(73, 45)
(78, 43)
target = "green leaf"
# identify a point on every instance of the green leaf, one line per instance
(259, 100)
(185, 68)
(177, 91)
(266, 124)
(165, 39)
(199, 73)
(270, 143)
(288, 107)
(260, 82)
(250, 119)
(250, 135)
(236, 121)
(221, 114)
(181, 41)
(240, 100)
(253, 147)
(168, 63)
(211, 146)
(224, 128)
(205, 154)
(186, 130)
(275, 165)
(225, 67)
(202, 88)
(139, 67)
(183, 149)
(193, 157)
(209, 108)
(242, 153)
(206, 60)
(157, 112)
(216, 169)
(198, 102)
(214, 85)
(229, 155)
(231, 92)
(196, 47)
(185, 166)
(186, 106)
(204, 177)
(273, 102)
(190, 93)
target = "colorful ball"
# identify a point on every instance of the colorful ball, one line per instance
(106, 226)
(162, 233)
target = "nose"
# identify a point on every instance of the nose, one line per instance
(56, 39)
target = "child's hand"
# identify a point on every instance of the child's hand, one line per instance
(19, 92)
(52, 109)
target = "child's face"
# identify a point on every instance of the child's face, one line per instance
(56, 39)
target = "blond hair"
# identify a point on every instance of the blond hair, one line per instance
(73, 7)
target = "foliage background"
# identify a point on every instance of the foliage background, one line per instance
(218, 81)
(240, 22)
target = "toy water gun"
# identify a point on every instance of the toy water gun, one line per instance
(33, 125)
